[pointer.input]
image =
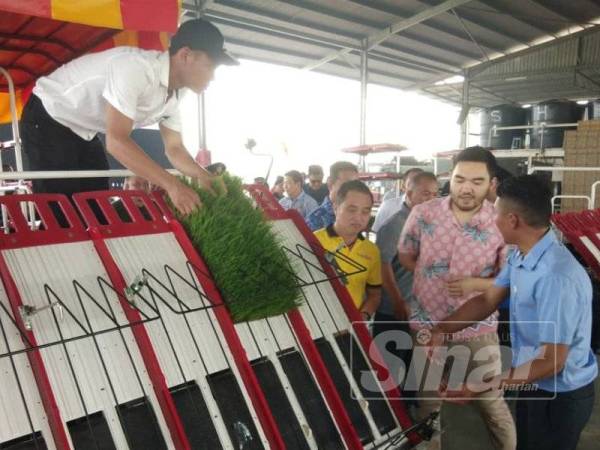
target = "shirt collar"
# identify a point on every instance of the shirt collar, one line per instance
(486, 213)
(333, 234)
(327, 204)
(532, 258)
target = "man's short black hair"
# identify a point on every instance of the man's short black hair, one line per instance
(409, 171)
(315, 170)
(423, 176)
(531, 197)
(501, 174)
(478, 154)
(340, 166)
(295, 176)
(352, 186)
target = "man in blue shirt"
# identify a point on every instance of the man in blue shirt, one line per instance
(324, 215)
(296, 198)
(553, 367)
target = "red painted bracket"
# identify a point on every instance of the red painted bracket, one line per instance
(274, 211)
(117, 227)
(163, 221)
(22, 235)
(47, 229)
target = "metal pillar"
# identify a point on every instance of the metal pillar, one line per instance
(464, 113)
(201, 123)
(14, 120)
(364, 79)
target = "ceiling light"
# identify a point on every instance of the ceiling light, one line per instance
(526, 105)
(515, 79)
(452, 80)
(583, 102)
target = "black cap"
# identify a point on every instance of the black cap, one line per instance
(199, 34)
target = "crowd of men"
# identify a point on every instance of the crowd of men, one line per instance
(441, 268)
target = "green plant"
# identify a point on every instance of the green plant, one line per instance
(242, 252)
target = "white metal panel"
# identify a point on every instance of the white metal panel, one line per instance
(265, 338)
(13, 413)
(152, 253)
(58, 266)
(322, 310)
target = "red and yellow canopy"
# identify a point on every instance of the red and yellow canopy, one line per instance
(38, 36)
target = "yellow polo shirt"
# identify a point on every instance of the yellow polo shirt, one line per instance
(362, 253)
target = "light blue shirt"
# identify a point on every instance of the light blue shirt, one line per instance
(551, 302)
(304, 204)
(321, 217)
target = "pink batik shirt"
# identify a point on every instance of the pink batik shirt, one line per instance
(447, 251)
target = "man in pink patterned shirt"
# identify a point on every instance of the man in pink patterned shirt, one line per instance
(454, 248)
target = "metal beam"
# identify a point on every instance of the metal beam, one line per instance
(530, 73)
(508, 88)
(564, 13)
(489, 26)
(409, 56)
(463, 118)
(480, 67)
(437, 28)
(538, 26)
(364, 81)
(443, 97)
(271, 30)
(302, 55)
(471, 37)
(276, 31)
(381, 36)
(419, 39)
(483, 66)
(590, 80)
(493, 94)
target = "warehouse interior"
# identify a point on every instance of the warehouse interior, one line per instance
(529, 69)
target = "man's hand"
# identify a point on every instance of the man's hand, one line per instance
(221, 187)
(401, 310)
(208, 184)
(461, 287)
(466, 392)
(184, 198)
(436, 340)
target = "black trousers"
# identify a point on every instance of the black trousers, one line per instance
(550, 423)
(48, 145)
(383, 323)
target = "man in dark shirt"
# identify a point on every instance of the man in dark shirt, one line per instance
(315, 186)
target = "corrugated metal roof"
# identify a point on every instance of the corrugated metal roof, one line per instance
(480, 37)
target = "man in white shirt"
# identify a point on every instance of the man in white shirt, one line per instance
(113, 92)
(391, 206)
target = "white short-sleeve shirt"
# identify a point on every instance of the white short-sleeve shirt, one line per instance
(133, 81)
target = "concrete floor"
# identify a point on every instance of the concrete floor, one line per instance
(464, 429)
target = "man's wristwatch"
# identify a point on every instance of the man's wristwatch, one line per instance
(366, 316)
